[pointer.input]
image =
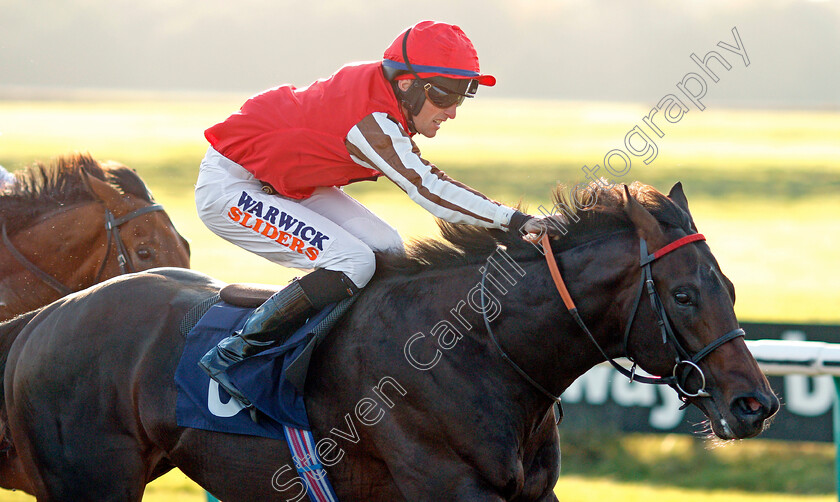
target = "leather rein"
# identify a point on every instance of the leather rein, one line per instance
(112, 230)
(685, 363)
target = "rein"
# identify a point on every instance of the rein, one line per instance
(685, 363)
(504, 355)
(112, 230)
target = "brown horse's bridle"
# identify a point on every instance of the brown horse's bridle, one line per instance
(685, 363)
(112, 230)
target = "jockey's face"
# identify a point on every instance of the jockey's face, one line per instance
(428, 121)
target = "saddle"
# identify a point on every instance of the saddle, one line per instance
(221, 314)
(273, 380)
(248, 295)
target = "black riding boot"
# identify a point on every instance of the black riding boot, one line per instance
(274, 321)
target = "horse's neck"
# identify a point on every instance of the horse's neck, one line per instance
(432, 324)
(541, 336)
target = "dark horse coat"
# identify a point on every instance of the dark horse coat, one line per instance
(408, 397)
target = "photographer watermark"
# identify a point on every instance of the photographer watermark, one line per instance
(327, 452)
(670, 109)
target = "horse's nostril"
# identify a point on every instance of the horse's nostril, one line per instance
(750, 405)
(747, 408)
(753, 407)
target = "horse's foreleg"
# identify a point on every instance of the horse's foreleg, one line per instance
(542, 463)
(78, 468)
(12, 476)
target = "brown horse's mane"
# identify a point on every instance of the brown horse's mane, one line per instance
(42, 188)
(466, 244)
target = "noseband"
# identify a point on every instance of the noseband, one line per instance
(112, 230)
(685, 363)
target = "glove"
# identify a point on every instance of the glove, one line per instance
(525, 224)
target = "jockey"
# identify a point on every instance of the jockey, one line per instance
(270, 180)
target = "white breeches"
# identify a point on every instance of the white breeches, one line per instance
(328, 230)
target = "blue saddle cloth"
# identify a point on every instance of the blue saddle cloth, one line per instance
(262, 378)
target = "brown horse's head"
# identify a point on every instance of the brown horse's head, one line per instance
(697, 302)
(148, 236)
(76, 222)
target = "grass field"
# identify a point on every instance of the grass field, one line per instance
(764, 186)
(654, 469)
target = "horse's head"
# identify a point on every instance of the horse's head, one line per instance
(139, 231)
(685, 325)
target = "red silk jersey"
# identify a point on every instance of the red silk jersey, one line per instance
(294, 139)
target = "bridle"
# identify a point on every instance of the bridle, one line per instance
(112, 230)
(685, 363)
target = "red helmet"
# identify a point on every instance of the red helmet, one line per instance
(435, 50)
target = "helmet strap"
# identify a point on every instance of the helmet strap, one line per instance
(411, 100)
(414, 97)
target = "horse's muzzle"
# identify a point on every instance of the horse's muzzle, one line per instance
(751, 411)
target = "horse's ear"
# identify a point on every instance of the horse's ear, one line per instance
(128, 180)
(646, 225)
(678, 197)
(102, 190)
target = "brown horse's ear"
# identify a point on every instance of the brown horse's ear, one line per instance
(103, 190)
(127, 179)
(646, 225)
(678, 197)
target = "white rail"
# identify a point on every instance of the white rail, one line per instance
(786, 357)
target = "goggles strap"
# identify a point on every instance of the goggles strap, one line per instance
(418, 77)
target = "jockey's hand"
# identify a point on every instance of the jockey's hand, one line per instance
(533, 226)
(526, 225)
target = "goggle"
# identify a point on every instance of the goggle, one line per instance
(439, 94)
(443, 97)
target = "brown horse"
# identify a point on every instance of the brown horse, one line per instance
(410, 398)
(73, 223)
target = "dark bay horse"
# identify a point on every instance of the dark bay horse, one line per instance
(73, 223)
(409, 397)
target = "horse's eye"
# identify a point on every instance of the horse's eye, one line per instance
(144, 253)
(682, 299)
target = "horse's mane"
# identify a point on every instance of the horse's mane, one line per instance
(42, 188)
(466, 244)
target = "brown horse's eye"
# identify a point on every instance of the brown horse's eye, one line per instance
(144, 254)
(682, 299)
